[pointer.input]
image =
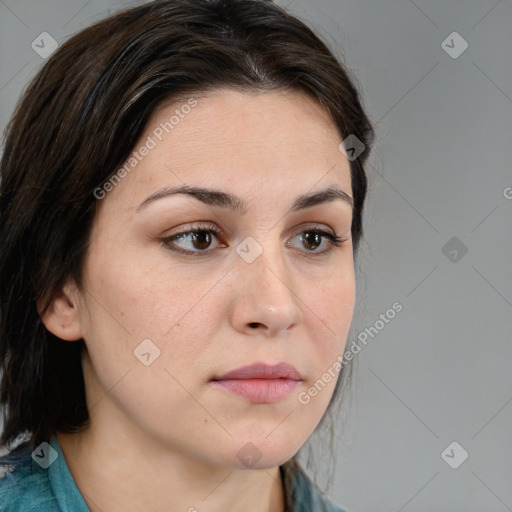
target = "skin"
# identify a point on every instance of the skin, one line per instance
(162, 437)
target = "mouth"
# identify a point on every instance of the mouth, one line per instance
(260, 383)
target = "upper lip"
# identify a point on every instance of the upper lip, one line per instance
(262, 371)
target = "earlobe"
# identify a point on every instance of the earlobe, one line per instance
(62, 316)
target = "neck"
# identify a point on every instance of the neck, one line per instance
(114, 474)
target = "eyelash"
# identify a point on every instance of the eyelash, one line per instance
(333, 240)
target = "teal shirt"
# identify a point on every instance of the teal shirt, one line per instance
(25, 486)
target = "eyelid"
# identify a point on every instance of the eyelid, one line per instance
(196, 226)
(190, 228)
(207, 225)
(325, 232)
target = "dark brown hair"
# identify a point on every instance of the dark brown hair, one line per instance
(76, 124)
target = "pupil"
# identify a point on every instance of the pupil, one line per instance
(201, 240)
(312, 238)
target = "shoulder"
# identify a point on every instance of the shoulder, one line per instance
(24, 488)
(308, 497)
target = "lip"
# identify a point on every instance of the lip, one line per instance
(260, 383)
(263, 371)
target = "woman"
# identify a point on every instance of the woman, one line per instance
(182, 189)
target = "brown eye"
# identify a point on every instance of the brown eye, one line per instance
(311, 240)
(201, 240)
(196, 242)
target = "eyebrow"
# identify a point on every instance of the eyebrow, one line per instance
(220, 199)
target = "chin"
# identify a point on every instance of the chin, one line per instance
(258, 461)
(264, 453)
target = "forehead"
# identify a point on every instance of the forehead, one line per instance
(247, 143)
(280, 116)
(264, 131)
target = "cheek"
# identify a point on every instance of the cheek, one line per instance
(329, 309)
(331, 306)
(130, 300)
(329, 325)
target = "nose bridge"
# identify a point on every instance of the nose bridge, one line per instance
(264, 259)
(267, 283)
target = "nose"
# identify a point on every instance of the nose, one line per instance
(266, 300)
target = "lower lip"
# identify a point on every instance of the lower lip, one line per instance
(262, 391)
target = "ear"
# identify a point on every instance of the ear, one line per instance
(62, 317)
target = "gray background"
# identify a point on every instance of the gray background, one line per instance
(438, 372)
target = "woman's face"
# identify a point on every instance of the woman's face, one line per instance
(164, 315)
